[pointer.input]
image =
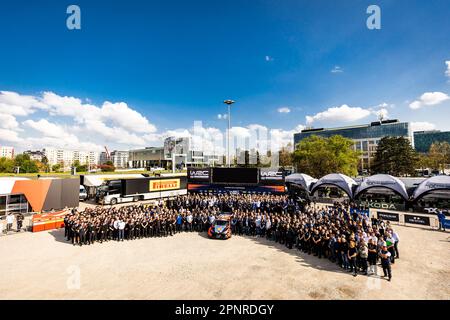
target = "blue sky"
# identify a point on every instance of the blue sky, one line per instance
(173, 62)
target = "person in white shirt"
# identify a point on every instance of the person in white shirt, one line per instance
(121, 226)
(1, 227)
(189, 220)
(396, 239)
(9, 222)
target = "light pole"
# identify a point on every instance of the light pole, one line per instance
(229, 103)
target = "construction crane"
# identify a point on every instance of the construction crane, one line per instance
(108, 156)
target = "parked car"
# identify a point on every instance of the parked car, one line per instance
(83, 193)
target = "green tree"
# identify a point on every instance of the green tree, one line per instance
(319, 156)
(395, 156)
(6, 165)
(56, 167)
(285, 156)
(439, 155)
(25, 164)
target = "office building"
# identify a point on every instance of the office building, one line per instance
(424, 139)
(150, 157)
(366, 137)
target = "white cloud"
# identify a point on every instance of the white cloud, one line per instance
(337, 69)
(48, 129)
(429, 99)
(447, 72)
(222, 116)
(8, 121)
(343, 113)
(422, 126)
(9, 135)
(284, 110)
(116, 123)
(268, 58)
(19, 105)
(122, 115)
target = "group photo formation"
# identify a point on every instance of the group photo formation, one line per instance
(350, 239)
(221, 159)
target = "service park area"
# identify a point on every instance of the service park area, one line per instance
(190, 266)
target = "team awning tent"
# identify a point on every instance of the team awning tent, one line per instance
(430, 185)
(382, 181)
(338, 180)
(303, 180)
(96, 180)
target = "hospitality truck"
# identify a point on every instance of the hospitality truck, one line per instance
(137, 189)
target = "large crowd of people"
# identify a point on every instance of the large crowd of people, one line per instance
(346, 237)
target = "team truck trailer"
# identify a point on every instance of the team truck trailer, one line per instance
(138, 189)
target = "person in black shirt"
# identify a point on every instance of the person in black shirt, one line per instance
(385, 256)
(352, 254)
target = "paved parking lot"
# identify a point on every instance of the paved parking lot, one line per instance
(190, 266)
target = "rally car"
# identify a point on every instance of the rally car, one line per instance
(221, 228)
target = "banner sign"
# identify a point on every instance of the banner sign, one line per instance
(389, 216)
(198, 174)
(413, 219)
(163, 185)
(271, 176)
(48, 221)
(382, 205)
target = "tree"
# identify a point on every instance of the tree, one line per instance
(319, 156)
(6, 165)
(56, 167)
(107, 167)
(439, 155)
(25, 164)
(79, 167)
(395, 156)
(285, 156)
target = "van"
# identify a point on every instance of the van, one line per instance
(83, 193)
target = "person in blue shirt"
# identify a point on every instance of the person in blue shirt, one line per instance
(179, 222)
(441, 217)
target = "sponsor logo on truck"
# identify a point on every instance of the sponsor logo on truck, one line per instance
(163, 185)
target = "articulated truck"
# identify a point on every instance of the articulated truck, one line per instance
(137, 189)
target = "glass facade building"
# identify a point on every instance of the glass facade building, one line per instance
(366, 137)
(424, 139)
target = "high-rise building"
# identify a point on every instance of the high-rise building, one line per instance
(366, 137)
(66, 158)
(119, 158)
(424, 139)
(6, 152)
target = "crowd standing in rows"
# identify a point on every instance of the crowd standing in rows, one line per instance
(351, 240)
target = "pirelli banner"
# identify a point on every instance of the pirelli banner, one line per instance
(165, 185)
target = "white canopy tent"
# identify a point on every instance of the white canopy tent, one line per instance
(301, 179)
(432, 184)
(383, 181)
(339, 180)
